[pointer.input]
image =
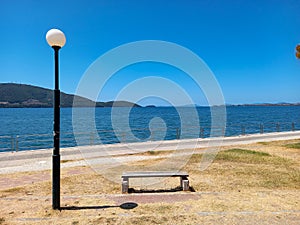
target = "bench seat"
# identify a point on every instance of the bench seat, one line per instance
(184, 182)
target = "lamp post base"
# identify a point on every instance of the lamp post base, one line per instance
(56, 181)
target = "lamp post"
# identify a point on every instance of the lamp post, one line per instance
(56, 39)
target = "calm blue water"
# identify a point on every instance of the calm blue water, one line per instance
(31, 128)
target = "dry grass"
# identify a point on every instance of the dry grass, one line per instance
(293, 145)
(245, 169)
(254, 179)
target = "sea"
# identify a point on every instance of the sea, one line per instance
(23, 129)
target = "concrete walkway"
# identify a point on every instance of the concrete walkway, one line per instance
(37, 160)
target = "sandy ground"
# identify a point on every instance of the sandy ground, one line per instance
(236, 188)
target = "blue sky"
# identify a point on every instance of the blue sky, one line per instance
(249, 45)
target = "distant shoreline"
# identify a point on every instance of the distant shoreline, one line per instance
(14, 95)
(6, 106)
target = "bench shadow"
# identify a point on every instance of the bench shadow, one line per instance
(176, 189)
(126, 205)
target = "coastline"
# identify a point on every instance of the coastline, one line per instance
(37, 160)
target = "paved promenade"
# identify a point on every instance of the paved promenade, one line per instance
(37, 160)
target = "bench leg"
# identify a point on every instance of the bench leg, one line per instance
(125, 185)
(181, 181)
(185, 184)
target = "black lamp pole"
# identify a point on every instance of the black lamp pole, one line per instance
(56, 39)
(56, 129)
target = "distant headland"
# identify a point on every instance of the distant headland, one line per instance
(14, 95)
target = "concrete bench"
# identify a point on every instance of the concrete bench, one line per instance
(184, 182)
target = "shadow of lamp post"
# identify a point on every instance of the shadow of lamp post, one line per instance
(56, 39)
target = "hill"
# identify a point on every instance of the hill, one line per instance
(27, 96)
